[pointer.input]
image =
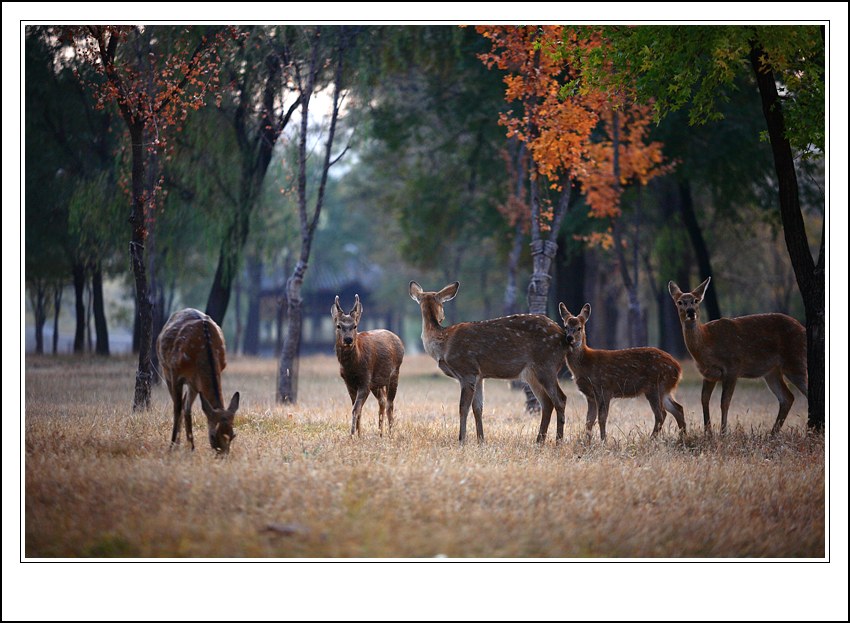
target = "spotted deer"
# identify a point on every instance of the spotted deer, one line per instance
(191, 353)
(760, 345)
(368, 361)
(605, 374)
(525, 346)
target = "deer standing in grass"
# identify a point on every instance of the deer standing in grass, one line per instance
(605, 374)
(191, 353)
(368, 361)
(525, 346)
(726, 349)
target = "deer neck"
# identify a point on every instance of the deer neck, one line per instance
(693, 333)
(432, 333)
(578, 358)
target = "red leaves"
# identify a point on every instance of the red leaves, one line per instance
(568, 127)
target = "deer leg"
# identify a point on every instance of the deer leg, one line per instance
(362, 395)
(467, 392)
(545, 405)
(676, 410)
(549, 391)
(391, 391)
(707, 389)
(478, 409)
(592, 409)
(603, 416)
(729, 383)
(187, 414)
(380, 394)
(783, 394)
(654, 399)
(176, 391)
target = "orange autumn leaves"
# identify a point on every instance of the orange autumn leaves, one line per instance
(570, 132)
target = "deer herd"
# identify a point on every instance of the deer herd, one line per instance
(529, 347)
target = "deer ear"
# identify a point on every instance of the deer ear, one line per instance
(357, 310)
(585, 312)
(565, 313)
(336, 310)
(415, 291)
(448, 293)
(234, 403)
(699, 291)
(206, 406)
(674, 290)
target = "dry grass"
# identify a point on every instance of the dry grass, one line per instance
(102, 482)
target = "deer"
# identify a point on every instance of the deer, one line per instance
(368, 361)
(524, 346)
(767, 346)
(605, 374)
(191, 353)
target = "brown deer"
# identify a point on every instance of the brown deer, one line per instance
(191, 353)
(605, 374)
(368, 361)
(525, 346)
(726, 349)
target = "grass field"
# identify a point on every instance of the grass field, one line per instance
(101, 481)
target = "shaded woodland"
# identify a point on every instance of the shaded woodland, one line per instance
(254, 172)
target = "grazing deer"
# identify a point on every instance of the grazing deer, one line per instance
(368, 361)
(605, 374)
(525, 346)
(760, 345)
(191, 353)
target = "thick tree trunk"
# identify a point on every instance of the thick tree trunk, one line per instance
(100, 328)
(57, 305)
(142, 391)
(219, 296)
(79, 272)
(810, 277)
(689, 218)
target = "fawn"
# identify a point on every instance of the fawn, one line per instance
(760, 345)
(525, 346)
(605, 374)
(368, 361)
(191, 353)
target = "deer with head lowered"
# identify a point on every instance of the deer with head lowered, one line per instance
(525, 346)
(605, 374)
(368, 361)
(191, 353)
(761, 345)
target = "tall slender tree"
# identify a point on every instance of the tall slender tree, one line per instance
(324, 47)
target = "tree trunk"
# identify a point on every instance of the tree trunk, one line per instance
(689, 218)
(225, 272)
(100, 328)
(79, 272)
(142, 391)
(251, 340)
(57, 304)
(287, 387)
(542, 255)
(38, 295)
(810, 277)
